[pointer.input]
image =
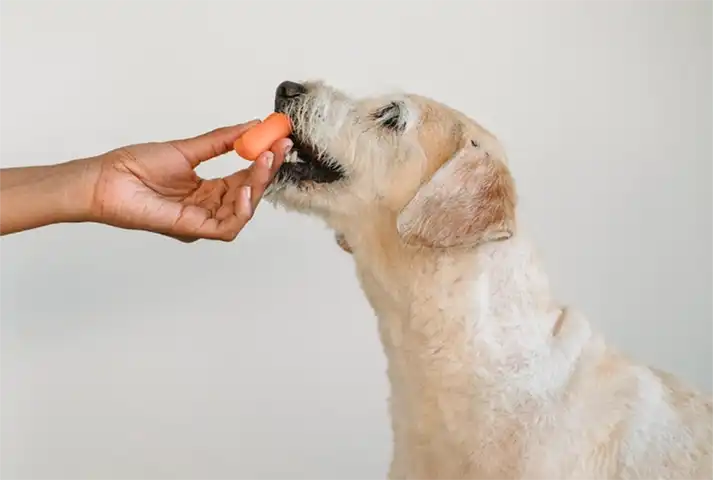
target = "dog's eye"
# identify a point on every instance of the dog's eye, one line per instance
(389, 116)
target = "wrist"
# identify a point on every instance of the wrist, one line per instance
(74, 184)
(33, 197)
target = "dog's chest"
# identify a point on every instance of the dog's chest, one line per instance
(443, 424)
(452, 416)
(447, 431)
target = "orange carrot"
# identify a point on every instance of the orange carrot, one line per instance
(259, 139)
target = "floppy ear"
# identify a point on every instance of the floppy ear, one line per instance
(469, 200)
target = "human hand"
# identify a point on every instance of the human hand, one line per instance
(153, 186)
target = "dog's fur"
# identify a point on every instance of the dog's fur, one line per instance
(491, 377)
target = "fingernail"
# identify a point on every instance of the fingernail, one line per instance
(288, 147)
(270, 157)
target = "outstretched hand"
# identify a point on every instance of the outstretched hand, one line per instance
(153, 186)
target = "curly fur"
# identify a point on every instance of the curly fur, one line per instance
(491, 377)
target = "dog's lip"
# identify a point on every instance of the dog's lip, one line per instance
(307, 155)
(309, 167)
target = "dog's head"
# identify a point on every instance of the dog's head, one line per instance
(440, 176)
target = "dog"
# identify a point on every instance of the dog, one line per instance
(490, 376)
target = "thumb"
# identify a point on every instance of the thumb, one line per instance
(212, 144)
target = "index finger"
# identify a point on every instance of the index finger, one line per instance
(212, 144)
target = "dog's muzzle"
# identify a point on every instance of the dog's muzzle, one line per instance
(304, 164)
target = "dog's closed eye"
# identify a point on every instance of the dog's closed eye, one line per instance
(390, 117)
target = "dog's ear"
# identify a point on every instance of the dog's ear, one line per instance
(469, 200)
(342, 242)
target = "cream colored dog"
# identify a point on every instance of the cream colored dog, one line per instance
(491, 377)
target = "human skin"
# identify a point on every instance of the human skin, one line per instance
(149, 186)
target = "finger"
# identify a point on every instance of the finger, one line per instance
(259, 178)
(228, 227)
(180, 238)
(258, 175)
(212, 144)
(234, 182)
(184, 239)
(271, 159)
(265, 170)
(280, 148)
(261, 173)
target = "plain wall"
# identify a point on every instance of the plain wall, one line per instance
(127, 355)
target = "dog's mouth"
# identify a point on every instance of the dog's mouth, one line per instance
(305, 164)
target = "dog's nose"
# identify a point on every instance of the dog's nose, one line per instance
(289, 89)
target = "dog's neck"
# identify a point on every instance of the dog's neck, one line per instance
(482, 312)
(467, 335)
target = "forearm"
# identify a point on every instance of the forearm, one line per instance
(32, 197)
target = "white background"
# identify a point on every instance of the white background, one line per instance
(129, 356)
